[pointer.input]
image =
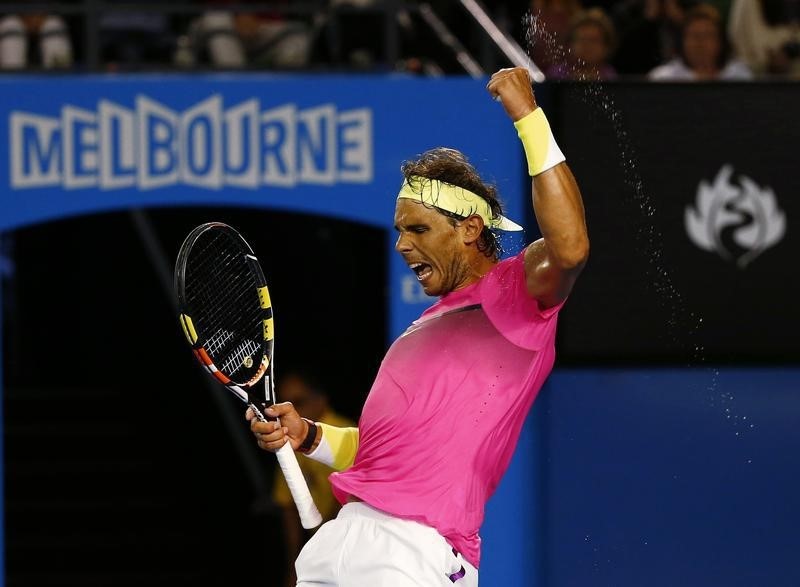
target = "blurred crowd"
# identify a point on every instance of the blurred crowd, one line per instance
(680, 40)
(567, 39)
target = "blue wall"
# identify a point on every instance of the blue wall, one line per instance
(685, 477)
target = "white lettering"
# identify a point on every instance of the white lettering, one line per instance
(241, 145)
(35, 150)
(277, 139)
(117, 146)
(206, 146)
(411, 291)
(316, 145)
(201, 144)
(158, 144)
(354, 146)
(79, 148)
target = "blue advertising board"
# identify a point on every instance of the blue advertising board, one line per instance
(329, 146)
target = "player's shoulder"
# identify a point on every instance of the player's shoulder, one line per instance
(506, 271)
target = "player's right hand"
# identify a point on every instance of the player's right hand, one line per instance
(271, 436)
(512, 86)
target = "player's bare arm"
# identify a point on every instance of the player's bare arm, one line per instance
(553, 263)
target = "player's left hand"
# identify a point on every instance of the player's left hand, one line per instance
(513, 87)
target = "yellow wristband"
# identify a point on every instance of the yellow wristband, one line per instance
(541, 149)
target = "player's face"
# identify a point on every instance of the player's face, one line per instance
(432, 247)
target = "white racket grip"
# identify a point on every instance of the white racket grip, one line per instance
(309, 514)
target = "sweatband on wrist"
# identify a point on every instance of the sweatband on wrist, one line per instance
(308, 443)
(337, 448)
(541, 149)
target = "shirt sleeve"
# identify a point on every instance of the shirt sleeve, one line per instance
(512, 310)
(337, 448)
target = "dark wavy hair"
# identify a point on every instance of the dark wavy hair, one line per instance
(452, 166)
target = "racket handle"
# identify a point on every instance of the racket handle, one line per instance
(309, 514)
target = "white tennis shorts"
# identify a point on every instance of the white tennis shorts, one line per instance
(365, 547)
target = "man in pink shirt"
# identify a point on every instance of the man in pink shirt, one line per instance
(442, 419)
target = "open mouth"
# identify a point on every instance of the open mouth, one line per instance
(423, 270)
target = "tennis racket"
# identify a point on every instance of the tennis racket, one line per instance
(226, 315)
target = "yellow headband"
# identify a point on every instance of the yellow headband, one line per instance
(451, 198)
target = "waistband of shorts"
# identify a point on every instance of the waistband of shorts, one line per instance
(360, 509)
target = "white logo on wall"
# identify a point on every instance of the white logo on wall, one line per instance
(411, 291)
(206, 146)
(739, 222)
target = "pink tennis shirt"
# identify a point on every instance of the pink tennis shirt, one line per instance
(442, 419)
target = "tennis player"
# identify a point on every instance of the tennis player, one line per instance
(444, 414)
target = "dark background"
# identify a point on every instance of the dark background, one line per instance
(649, 295)
(120, 466)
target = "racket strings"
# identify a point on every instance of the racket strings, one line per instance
(217, 341)
(222, 295)
(238, 357)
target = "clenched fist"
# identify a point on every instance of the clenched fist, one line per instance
(513, 87)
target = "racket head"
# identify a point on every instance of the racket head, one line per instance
(225, 309)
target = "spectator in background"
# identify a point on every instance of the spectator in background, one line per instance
(647, 30)
(273, 40)
(353, 36)
(549, 31)
(766, 35)
(591, 43)
(34, 39)
(306, 394)
(704, 54)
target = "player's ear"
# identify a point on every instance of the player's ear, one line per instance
(473, 227)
